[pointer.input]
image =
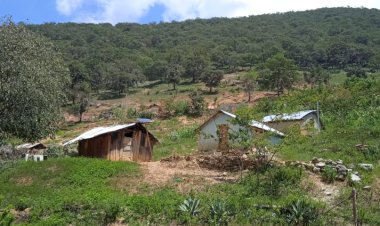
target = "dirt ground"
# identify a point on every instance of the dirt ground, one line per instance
(320, 190)
(183, 175)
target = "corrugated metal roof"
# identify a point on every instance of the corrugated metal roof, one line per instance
(265, 127)
(144, 120)
(287, 117)
(257, 124)
(29, 146)
(97, 132)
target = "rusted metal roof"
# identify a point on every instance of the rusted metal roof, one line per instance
(288, 117)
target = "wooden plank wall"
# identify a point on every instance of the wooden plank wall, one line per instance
(112, 148)
(97, 148)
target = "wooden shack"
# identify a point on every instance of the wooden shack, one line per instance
(117, 143)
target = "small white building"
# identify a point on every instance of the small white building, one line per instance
(213, 134)
(307, 120)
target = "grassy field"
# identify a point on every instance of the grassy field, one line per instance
(83, 191)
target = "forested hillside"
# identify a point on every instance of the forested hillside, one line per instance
(105, 55)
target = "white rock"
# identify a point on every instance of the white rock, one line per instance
(355, 178)
(367, 187)
(320, 164)
(366, 166)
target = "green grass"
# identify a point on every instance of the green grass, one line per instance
(173, 140)
(80, 191)
(60, 187)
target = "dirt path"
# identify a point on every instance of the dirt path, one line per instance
(183, 175)
(322, 191)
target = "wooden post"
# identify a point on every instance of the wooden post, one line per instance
(354, 210)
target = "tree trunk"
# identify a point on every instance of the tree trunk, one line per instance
(249, 96)
(210, 89)
(80, 116)
(174, 86)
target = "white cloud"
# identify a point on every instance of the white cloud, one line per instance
(115, 11)
(67, 7)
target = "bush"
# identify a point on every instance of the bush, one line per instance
(134, 113)
(6, 217)
(329, 174)
(197, 104)
(372, 153)
(55, 151)
(187, 132)
(180, 107)
(111, 212)
(279, 178)
(21, 204)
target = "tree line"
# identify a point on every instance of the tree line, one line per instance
(121, 56)
(36, 79)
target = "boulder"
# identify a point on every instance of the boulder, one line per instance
(339, 161)
(314, 160)
(367, 188)
(320, 165)
(341, 177)
(355, 178)
(342, 169)
(308, 166)
(366, 166)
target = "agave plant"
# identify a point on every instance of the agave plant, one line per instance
(220, 213)
(299, 212)
(191, 206)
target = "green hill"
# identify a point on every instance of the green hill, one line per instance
(331, 37)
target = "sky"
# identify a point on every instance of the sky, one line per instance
(148, 11)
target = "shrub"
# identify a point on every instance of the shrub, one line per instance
(372, 153)
(134, 113)
(111, 212)
(6, 217)
(197, 104)
(187, 132)
(279, 178)
(329, 174)
(21, 204)
(180, 107)
(55, 151)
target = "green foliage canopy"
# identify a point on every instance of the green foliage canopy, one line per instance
(279, 73)
(32, 80)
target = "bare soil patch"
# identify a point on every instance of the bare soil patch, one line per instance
(27, 180)
(184, 174)
(320, 190)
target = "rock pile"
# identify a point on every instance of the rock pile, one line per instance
(230, 161)
(317, 165)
